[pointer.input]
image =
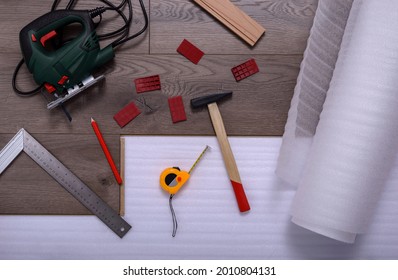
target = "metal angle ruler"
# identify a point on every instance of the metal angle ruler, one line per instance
(23, 141)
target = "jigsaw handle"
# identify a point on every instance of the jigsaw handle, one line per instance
(34, 31)
(70, 62)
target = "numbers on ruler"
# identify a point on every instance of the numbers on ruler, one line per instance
(76, 187)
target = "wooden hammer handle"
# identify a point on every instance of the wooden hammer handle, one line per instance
(228, 156)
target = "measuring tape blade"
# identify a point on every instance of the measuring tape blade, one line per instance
(74, 186)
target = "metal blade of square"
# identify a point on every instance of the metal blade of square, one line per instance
(72, 184)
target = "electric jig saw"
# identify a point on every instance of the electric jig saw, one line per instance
(64, 68)
(72, 63)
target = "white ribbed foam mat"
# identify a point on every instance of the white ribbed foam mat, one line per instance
(210, 225)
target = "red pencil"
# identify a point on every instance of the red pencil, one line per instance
(106, 151)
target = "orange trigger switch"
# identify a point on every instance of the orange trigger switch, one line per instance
(47, 37)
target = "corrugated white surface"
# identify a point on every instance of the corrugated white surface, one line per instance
(210, 225)
(341, 138)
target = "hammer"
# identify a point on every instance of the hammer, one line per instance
(229, 160)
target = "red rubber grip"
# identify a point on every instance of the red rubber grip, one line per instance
(240, 195)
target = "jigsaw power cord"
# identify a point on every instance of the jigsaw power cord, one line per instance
(14, 81)
(123, 32)
(128, 38)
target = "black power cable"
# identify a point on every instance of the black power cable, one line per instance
(127, 21)
(124, 40)
(14, 83)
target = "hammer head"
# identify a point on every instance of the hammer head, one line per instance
(207, 99)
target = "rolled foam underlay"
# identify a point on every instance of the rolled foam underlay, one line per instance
(347, 160)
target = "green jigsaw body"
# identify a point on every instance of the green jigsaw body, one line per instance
(73, 61)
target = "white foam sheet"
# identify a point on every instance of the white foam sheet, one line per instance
(210, 225)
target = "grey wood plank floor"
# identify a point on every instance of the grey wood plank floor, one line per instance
(259, 104)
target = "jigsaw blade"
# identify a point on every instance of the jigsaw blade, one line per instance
(86, 83)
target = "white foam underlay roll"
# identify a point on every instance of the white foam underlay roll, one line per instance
(341, 162)
(313, 82)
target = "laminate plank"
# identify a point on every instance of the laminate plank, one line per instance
(235, 19)
(25, 188)
(259, 104)
(287, 23)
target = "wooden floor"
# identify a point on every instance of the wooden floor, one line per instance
(259, 105)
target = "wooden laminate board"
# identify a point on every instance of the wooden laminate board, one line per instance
(258, 107)
(287, 23)
(259, 104)
(26, 188)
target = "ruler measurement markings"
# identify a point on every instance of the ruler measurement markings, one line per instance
(75, 186)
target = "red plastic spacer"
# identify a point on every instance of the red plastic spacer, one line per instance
(190, 51)
(177, 110)
(127, 114)
(147, 83)
(245, 70)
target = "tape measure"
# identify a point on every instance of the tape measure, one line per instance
(23, 141)
(172, 179)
